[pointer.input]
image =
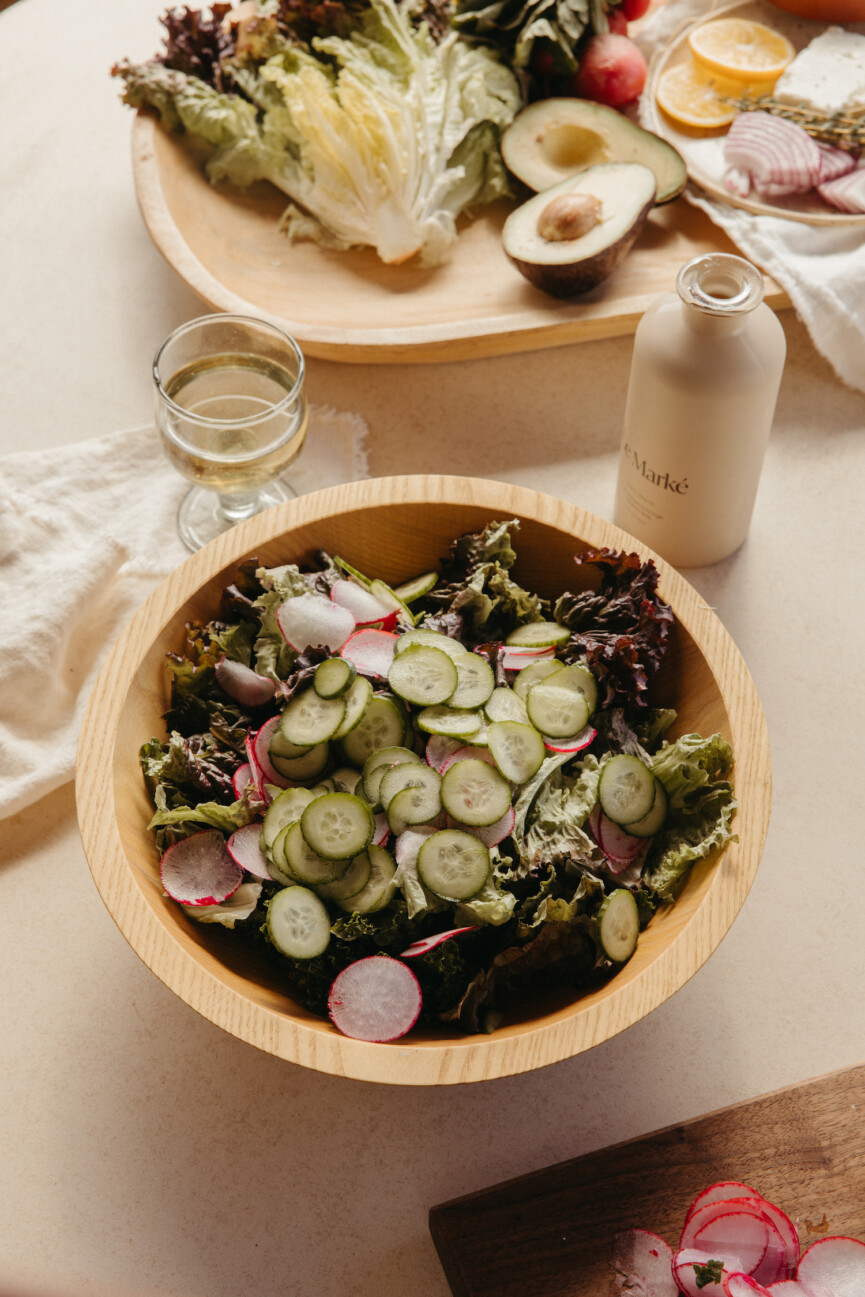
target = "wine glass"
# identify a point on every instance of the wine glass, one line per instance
(231, 415)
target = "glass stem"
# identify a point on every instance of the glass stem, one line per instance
(237, 507)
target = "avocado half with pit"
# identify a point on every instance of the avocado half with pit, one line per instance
(571, 237)
(555, 138)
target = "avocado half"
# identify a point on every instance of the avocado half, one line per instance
(553, 139)
(623, 194)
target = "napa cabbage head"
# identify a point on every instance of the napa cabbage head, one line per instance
(380, 139)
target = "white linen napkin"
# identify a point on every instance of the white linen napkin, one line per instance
(821, 268)
(86, 532)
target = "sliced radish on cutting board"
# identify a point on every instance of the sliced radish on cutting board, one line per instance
(642, 1265)
(833, 1267)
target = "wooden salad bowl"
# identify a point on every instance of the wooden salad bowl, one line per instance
(395, 528)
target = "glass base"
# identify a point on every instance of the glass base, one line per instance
(201, 518)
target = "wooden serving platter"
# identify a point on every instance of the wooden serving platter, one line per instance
(347, 306)
(548, 1234)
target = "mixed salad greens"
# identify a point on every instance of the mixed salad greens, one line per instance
(380, 119)
(455, 775)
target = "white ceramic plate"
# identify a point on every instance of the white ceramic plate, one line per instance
(703, 151)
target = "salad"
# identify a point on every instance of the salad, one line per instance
(424, 803)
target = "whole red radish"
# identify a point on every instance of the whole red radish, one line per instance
(634, 9)
(612, 71)
(618, 21)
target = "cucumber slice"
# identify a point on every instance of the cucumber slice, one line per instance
(283, 810)
(284, 749)
(298, 923)
(307, 766)
(391, 600)
(277, 865)
(357, 700)
(518, 749)
(506, 705)
(333, 677)
(309, 719)
(417, 587)
(654, 818)
(533, 674)
(474, 792)
(353, 881)
(577, 676)
(377, 763)
(412, 806)
(409, 774)
(346, 780)
(423, 675)
(433, 638)
(626, 789)
(351, 571)
(337, 826)
(382, 725)
(453, 865)
(618, 922)
(557, 712)
(457, 723)
(476, 681)
(306, 865)
(380, 887)
(538, 634)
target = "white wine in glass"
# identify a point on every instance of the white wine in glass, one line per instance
(232, 417)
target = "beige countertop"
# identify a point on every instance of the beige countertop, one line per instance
(144, 1151)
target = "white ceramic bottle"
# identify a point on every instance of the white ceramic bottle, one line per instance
(705, 374)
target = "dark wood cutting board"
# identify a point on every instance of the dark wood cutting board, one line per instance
(548, 1234)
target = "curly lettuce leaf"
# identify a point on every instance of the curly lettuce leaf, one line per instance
(239, 907)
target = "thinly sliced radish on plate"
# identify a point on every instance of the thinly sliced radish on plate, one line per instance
(743, 1285)
(371, 651)
(363, 606)
(376, 999)
(429, 943)
(694, 1272)
(243, 684)
(312, 621)
(575, 743)
(489, 834)
(642, 1265)
(198, 870)
(243, 847)
(242, 776)
(833, 1267)
(260, 748)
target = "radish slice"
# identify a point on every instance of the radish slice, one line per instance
(381, 833)
(786, 1288)
(720, 1192)
(685, 1275)
(312, 621)
(708, 1227)
(260, 759)
(833, 1267)
(643, 1264)
(742, 1285)
(575, 743)
(242, 776)
(429, 943)
(779, 156)
(244, 850)
(243, 684)
(743, 1235)
(362, 605)
(846, 193)
(257, 774)
(466, 754)
(376, 999)
(371, 651)
(409, 843)
(439, 748)
(199, 871)
(620, 846)
(489, 834)
(514, 659)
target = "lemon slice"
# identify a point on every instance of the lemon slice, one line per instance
(695, 97)
(741, 49)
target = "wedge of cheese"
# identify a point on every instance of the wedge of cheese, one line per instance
(828, 75)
